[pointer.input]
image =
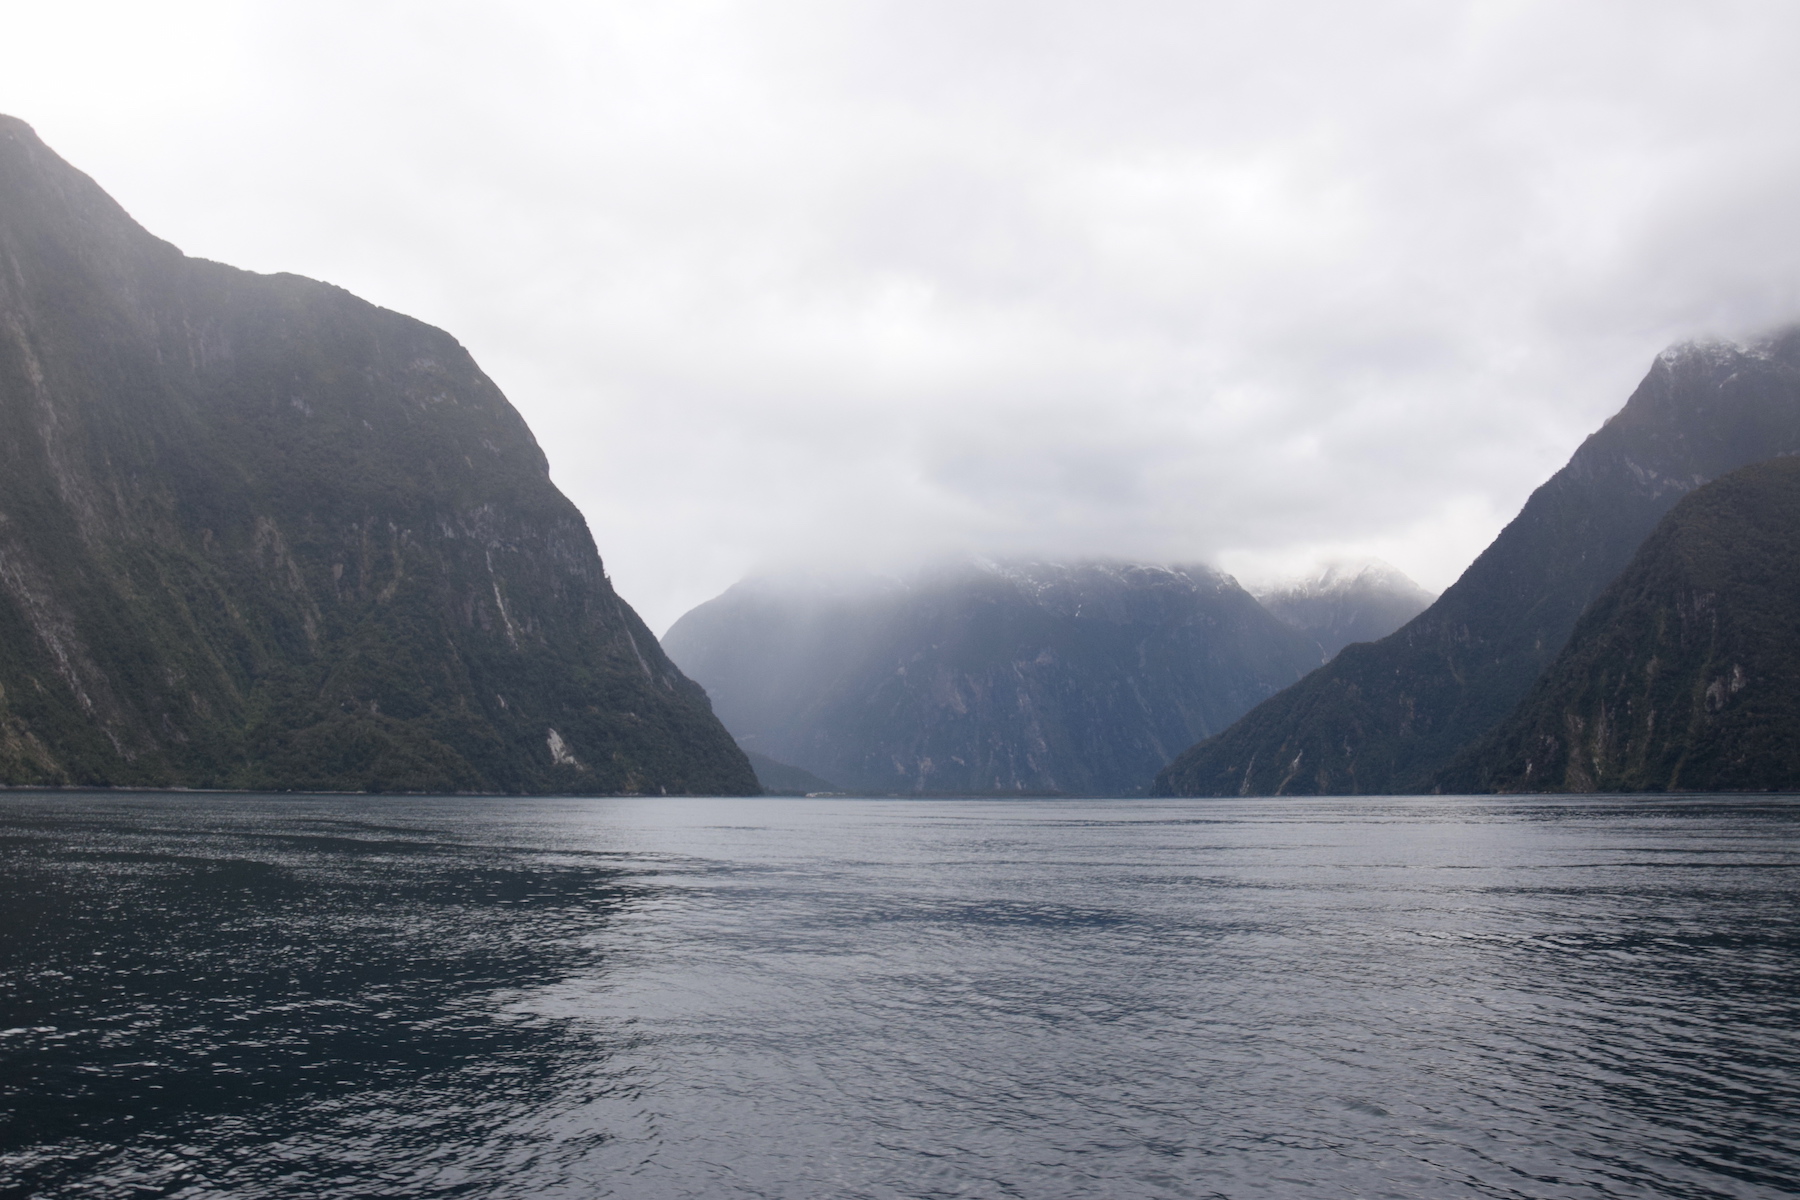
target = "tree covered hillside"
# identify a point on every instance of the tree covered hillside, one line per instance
(255, 532)
(1685, 673)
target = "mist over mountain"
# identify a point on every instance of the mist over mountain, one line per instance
(1685, 673)
(1346, 602)
(1389, 716)
(983, 677)
(255, 532)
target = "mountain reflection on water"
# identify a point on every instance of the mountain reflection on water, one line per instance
(258, 997)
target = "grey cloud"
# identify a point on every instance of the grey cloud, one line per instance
(1245, 282)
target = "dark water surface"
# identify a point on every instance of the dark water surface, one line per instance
(258, 997)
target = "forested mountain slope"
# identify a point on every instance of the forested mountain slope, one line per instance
(1685, 672)
(255, 532)
(1389, 716)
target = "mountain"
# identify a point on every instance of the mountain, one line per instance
(780, 779)
(984, 677)
(1388, 716)
(1685, 673)
(258, 533)
(1346, 602)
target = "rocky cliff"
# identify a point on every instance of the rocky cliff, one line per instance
(984, 677)
(255, 532)
(1684, 675)
(1389, 716)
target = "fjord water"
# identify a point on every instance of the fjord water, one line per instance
(258, 997)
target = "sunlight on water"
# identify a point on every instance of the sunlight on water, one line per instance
(260, 997)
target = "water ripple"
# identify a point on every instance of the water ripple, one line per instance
(1421, 997)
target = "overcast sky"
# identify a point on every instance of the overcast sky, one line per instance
(1252, 283)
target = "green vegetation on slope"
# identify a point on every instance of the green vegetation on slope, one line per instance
(1685, 673)
(255, 532)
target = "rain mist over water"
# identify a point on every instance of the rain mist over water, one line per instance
(660, 998)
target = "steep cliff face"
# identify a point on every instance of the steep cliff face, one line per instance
(1347, 602)
(255, 532)
(1685, 673)
(987, 677)
(1389, 716)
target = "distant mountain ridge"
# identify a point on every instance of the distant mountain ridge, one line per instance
(258, 533)
(1390, 716)
(982, 676)
(1684, 675)
(1345, 602)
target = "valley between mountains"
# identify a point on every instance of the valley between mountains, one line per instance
(256, 533)
(1030, 678)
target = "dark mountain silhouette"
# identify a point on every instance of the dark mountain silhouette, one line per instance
(1685, 673)
(1389, 716)
(255, 532)
(987, 677)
